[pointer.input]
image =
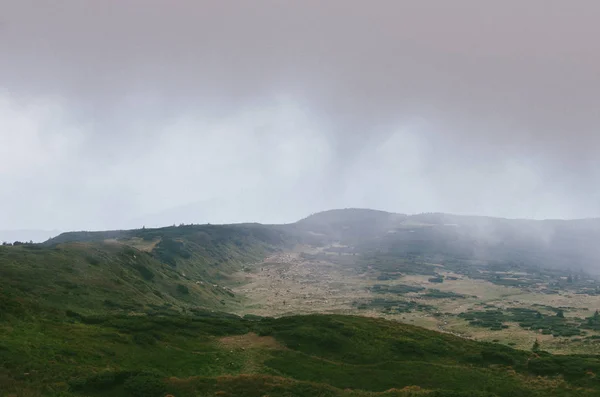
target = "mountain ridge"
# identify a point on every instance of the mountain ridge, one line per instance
(547, 243)
(326, 215)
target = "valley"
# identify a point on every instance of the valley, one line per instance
(342, 303)
(308, 280)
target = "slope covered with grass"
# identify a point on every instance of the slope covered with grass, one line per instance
(174, 268)
(142, 313)
(217, 354)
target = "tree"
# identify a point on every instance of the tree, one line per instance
(560, 314)
(536, 346)
(569, 279)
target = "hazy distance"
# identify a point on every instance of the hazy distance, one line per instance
(119, 114)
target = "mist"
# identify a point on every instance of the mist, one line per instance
(119, 114)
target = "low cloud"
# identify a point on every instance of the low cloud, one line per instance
(117, 113)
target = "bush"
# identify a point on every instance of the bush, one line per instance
(92, 261)
(72, 314)
(182, 289)
(145, 385)
(102, 381)
(144, 339)
(144, 272)
(437, 294)
(168, 250)
(497, 357)
(98, 382)
(395, 289)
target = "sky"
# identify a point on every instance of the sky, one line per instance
(119, 114)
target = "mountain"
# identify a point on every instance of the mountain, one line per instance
(148, 312)
(568, 244)
(174, 268)
(564, 244)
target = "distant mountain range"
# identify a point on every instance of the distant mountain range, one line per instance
(571, 244)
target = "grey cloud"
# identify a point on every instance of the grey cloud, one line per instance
(276, 108)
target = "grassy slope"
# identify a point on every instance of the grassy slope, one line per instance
(184, 268)
(87, 277)
(312, 355)
(83, 316)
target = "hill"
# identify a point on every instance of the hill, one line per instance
(147, 312)
(173, 268)
(567, 244)
(214, 354)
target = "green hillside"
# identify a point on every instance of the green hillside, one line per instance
(212, 354)
(144, 313)
(171, 269)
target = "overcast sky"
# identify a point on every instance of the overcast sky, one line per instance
(123, 113)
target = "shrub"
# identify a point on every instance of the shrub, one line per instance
(145, 385)
(72, 314)
(98, 382)
(144, 339)
(182, 289)
(144, 272)
(92, 261)
(437, 294)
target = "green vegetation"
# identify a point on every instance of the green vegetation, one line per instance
(103, 356)
(137, 313)
(399, 289)
(437, 294)
(530, 319)
(392, 305)
(492, 319)
(86, 273)
(437, 279)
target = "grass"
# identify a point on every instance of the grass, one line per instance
(86, 273)
(137, 313)
(182, 355)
